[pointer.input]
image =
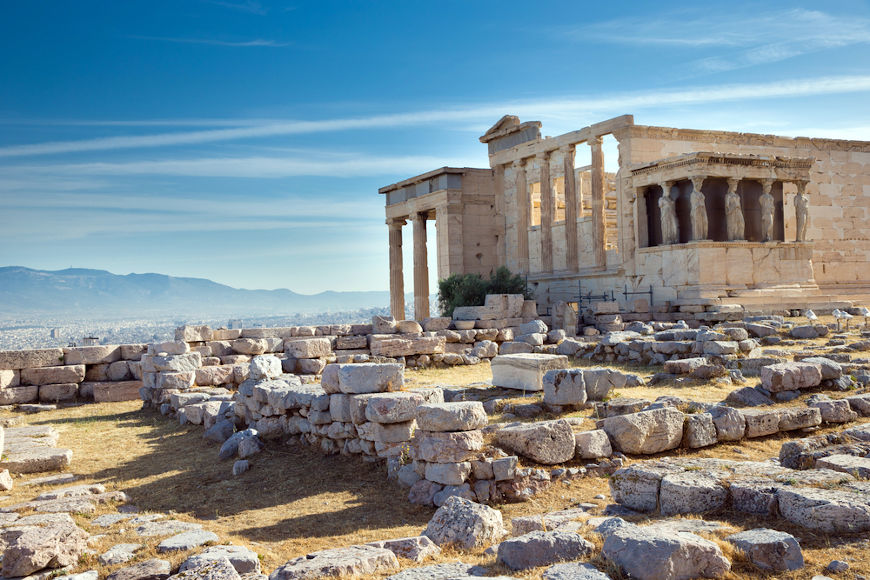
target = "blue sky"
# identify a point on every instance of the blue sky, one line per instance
(245, 141)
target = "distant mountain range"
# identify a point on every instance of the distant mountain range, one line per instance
(76, 292)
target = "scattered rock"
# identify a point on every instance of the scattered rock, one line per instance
(542, 549)
(153, 569)
(465, 524)
(769, 549)
(350, 561)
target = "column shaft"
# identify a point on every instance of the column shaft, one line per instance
(571, 207)
(522, 200)
(597, 203)
(421, 269)
(397, 276)
(547, 203)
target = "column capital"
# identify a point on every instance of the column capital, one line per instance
(667, 184)
(766, 185)
(396, 223)
(801, 186)
(697, 181)
(543, 155)
(596, 141)
(566, 149)
(518, 163)
(419, 216)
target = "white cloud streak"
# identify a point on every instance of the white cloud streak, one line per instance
(257, 42)
(749, 40)
(554, 109)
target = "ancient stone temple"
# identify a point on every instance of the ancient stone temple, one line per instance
(689, 215)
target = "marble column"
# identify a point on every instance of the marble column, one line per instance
(397, 276)
(735, 224)
(597, 203)
(801, 211)
(768, 210)
(699, 209)
(547, 203)
(421, 268)
(572, 253)
(523, 210)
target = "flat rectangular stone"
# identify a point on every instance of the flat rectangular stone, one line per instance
(525, 371)
(91, 355)
(308, 347)
(53, 375)
(58, 392)
(28, 359)
(851, 464)
(16, 395)
(113, 392)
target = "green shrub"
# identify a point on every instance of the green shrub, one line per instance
(471, 289)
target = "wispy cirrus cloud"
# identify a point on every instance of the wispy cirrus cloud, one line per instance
(256, 42)
(315, 164)
(558, 111)
(763, 38)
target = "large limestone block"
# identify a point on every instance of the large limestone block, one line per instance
(191, 333)
(250, 346)
(91, 355)
(243, 560)
(9, 378)
(690, 492)
(36, 548)
(28, 359)
(525, 371)
(838, 411)
(791, 376)
(699, 431)
(177, 362)
(17, 395)
(761, 422)
(177, 380)
(592, 444)
(408, 345)
(448, 473)
(541, 548)
(352, 561)
(364, 378)
(265, 367)
(447, 447)
(826, 510)
(53, 375)
(851, 464)
(637, 486)
(117, 391)
(792, 418)
(646, 432)
(308, 347)
(168, 348)
(395, 407)
(457, 416)
(62, 392)
(769, 549)
(661, 555)
(729, 422)
(415, 548)
(547, 442)
(119, 371)
(465, 524)
(564, 387)
(385, 432)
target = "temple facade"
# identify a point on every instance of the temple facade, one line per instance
(690, 216)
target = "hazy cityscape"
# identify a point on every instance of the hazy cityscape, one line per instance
(24, 333)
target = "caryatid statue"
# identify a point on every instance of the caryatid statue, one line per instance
(767, 210)
(699, 210)
(801, 211)
(734, 222)
(669, 216)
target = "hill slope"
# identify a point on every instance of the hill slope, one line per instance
(77, 291)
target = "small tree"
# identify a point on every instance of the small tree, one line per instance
(471, 289)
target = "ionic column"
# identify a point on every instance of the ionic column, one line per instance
(801, 211)
(421, 268)
(767, 210)
(698, 209)
(735, 224)
(547, 203)
(571, 206)
(397, 276)
(597, 202)
(522, 200)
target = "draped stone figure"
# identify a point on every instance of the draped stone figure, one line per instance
(670, 234)
(699, 210)
(734, 222)
(801, 212)
(767, 211)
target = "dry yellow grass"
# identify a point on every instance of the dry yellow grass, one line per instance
(296, 500)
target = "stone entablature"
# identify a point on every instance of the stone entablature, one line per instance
(723, 165)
